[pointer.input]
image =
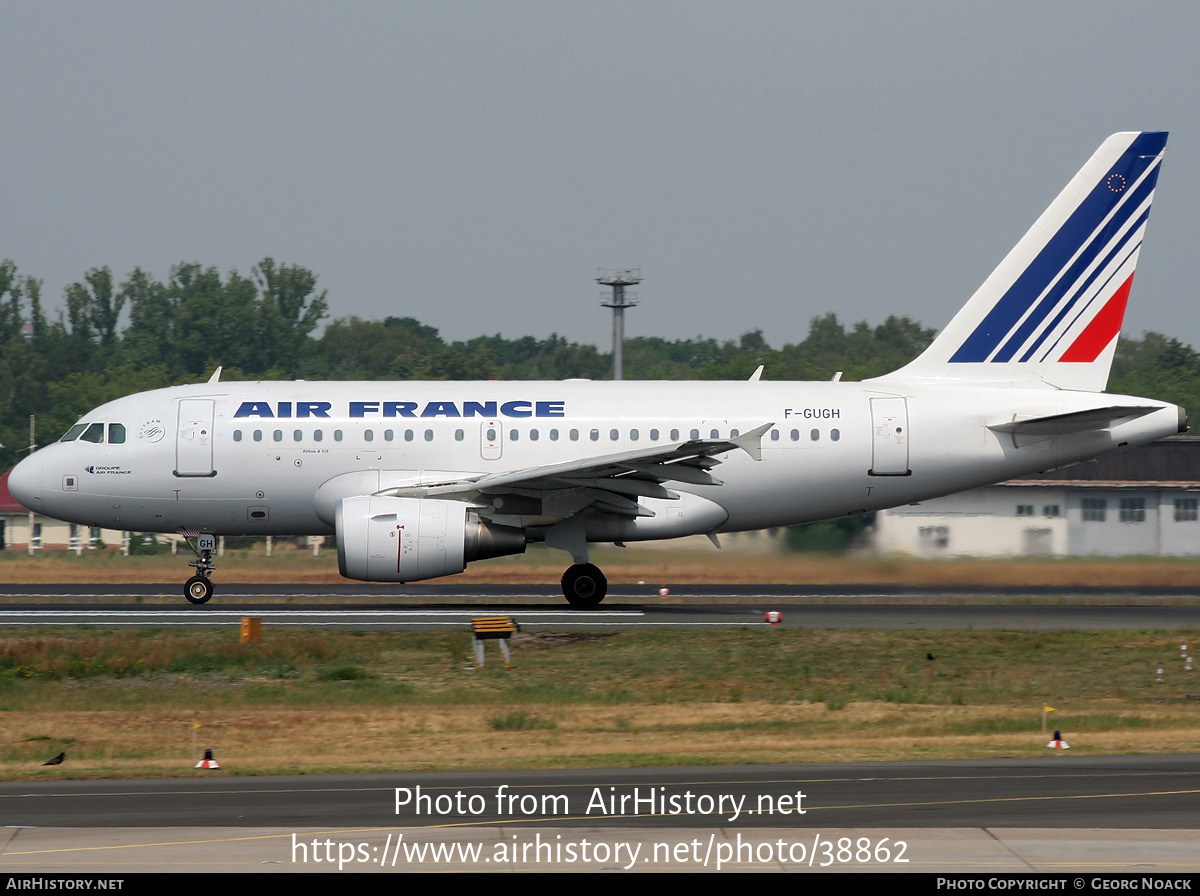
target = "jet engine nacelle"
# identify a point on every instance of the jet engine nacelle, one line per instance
(386, 539)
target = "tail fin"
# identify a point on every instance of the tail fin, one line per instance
(1051, 311)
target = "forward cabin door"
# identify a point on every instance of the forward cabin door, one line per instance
(889, 438)
(194, 438)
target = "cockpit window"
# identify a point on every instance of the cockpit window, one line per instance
(94, 433)
(73, 433)
(116, 433)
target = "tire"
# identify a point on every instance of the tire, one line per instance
(198, 590)
(584, 586)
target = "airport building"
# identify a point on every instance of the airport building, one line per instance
(1144, 501)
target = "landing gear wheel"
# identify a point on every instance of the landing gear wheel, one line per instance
(584, 585)
(198, 590)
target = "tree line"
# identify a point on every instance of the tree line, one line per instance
(113, 337)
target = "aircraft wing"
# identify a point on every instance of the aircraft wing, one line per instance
(610, 482)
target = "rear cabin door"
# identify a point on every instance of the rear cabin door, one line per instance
(889, 439)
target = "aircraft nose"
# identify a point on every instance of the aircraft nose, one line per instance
(25, 482)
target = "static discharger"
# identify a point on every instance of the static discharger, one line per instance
(493, 628)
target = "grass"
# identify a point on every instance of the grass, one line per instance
(125, 703)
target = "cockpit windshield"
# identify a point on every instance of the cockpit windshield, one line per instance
(94, 432)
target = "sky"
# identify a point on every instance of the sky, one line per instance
(471, 165)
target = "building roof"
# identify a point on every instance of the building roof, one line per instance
(8, 504)
(1171, 463)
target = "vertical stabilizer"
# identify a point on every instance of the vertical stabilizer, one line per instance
(1051, 311)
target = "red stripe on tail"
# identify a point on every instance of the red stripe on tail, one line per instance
(1102, 330)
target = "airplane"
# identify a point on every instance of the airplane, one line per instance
(417, 479)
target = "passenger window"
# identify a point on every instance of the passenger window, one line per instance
(337, 435)
(654, 435)
(715, 435)
(533, 435)
(835, 435)
(94, 433)
(369, 435)
(613, 435)
(674, 435)
(116, 433)
(73, 433)
(774, 435)
(513, 435)
(258, 435)
(574, 435)
(695, 434)
(277, 435)
(554, 435)
(815, 434)
(388, 435)
(733, 433)
(594, 435)
(633, 435)
(318, 435)
(429, 435)
(297, 435)
(408, 435)
(795, 435)
(458, 435)
(237, 435)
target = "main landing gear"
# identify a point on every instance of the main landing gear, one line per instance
(198, 588)
(584, 585)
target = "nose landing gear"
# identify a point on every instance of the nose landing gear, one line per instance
(198, 588)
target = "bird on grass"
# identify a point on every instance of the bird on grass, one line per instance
(57, 760)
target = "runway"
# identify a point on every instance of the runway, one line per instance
(541, 608)
(1057, 814)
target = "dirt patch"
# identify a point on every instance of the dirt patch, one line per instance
(553, 640)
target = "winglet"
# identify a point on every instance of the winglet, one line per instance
(751, 442)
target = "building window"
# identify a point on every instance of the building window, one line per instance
(1024, 510)
(1094, 510)
(1133, 510)
(1187, 510)
(935, 537)
(1050, 510)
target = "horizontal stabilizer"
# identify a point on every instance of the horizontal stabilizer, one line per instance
(1076, 421)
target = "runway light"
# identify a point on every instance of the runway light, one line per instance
(207, 761)
(663, 592)
(774, 617)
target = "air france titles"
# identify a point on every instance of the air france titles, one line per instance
(384, 409)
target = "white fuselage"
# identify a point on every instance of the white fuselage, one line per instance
(253, 458)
